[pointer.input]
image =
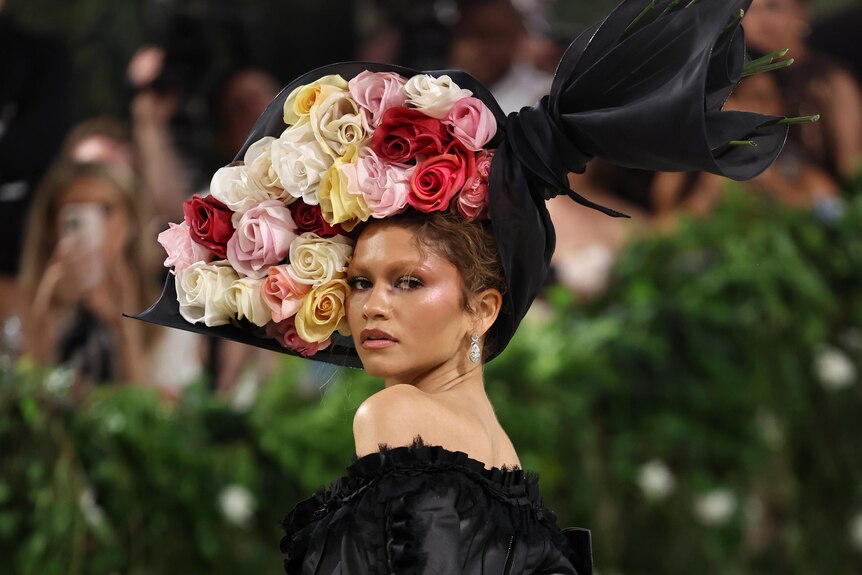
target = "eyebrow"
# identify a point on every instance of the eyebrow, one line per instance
(357, 268)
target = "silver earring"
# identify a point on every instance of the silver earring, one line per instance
(475, 352)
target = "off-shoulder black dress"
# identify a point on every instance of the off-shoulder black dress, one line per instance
(424, 509)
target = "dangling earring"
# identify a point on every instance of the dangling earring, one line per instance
(475, 352)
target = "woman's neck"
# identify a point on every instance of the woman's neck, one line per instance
(443, 378)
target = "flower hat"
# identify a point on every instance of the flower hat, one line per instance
(262, 258)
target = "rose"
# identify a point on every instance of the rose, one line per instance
(262, 238)
(315, 260)
(299, 162)
(340, 201)
(209, 223)
(472, 123)
(473, 200)
(310, 219)
(284, 332)
(384, 185)
(301, 99)
(201, 290)
(433, 96)
(181, 249)
(376, 92)
(261, 174)
(403, 133)
(281, 293)
(322, 312)
(243, 298)
(336, 123)
(436, 180)
(230, 185)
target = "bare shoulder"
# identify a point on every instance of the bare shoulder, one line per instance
(393, 416)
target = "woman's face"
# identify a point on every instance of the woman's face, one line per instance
(775, 24)
(114, 222)
(405, 306)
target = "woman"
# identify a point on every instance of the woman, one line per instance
(395, 220)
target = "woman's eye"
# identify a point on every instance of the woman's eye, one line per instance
(358, 283)
(408, 282)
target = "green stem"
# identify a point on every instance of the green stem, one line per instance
(799, 120)
(741, 143)
(673, 4)
(640, 16)
(736, 20)
(769, 58)
(767, 67)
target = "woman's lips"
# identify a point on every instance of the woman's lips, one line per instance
(376, 339)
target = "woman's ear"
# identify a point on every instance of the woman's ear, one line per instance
(486, 308)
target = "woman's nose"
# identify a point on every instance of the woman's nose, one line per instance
(377, 304)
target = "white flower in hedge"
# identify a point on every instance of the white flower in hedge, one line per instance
(300, 162)
(856, 531)
(245, 301)
(93, 513)
(834, 369)
(770, 428)
(716, 507)
(236, 504)
(230, 185)
(201, 290)
(655, 479)
(433, 96)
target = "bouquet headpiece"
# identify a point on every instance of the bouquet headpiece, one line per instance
(262, 259)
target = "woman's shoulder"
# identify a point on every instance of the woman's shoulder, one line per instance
(398, 501)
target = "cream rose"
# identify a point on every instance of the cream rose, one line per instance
(433, 96)
(201, 290)
(323, 312)
(341, 201)
(230, 185)
(315, 261)
(300, 101)
(300, 162)
(243, 299)
(259, 170)
(337, 123)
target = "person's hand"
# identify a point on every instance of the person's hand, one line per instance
(70, 272)
(145, 66)
(150, 106)
(117, 294)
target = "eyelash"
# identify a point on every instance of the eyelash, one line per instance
(359, 283)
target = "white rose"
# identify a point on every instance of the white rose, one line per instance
(834, 369)
(337, 123)
(93, 513)
(230, 185)
(433, 96)
(716, 507)
(655, 480)
(258, 162)
(300, 162)
(201, 290)
(244, 300)
(236, 504)
(315, 261)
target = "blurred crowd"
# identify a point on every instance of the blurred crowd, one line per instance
(82, 199)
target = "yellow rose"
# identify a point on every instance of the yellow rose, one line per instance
(299, 102)
(341, 201)
(322, 312)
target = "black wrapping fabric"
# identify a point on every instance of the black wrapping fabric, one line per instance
(644, 96)
(423, 509)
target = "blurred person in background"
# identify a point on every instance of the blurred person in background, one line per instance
(85, 263)
(33, 103)
(488, 42)
(102, 140)
(814, 84)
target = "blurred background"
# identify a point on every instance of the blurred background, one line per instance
(688, 387)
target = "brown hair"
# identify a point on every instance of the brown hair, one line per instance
(469, 246)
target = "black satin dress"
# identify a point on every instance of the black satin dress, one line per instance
(426, 510)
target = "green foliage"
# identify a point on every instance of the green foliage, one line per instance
(712, 357)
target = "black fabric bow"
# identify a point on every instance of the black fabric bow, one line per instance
(642, 89)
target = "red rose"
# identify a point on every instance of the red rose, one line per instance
(209, 223)
(404, 132)
(436, 180)
(309, 218)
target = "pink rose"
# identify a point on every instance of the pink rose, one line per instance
(472, 122)
(473, 199)
(376, 92)
(384, 185)
(182, 250)
(282, 294)
(284, 332)
(436, 180)
(262, 238)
